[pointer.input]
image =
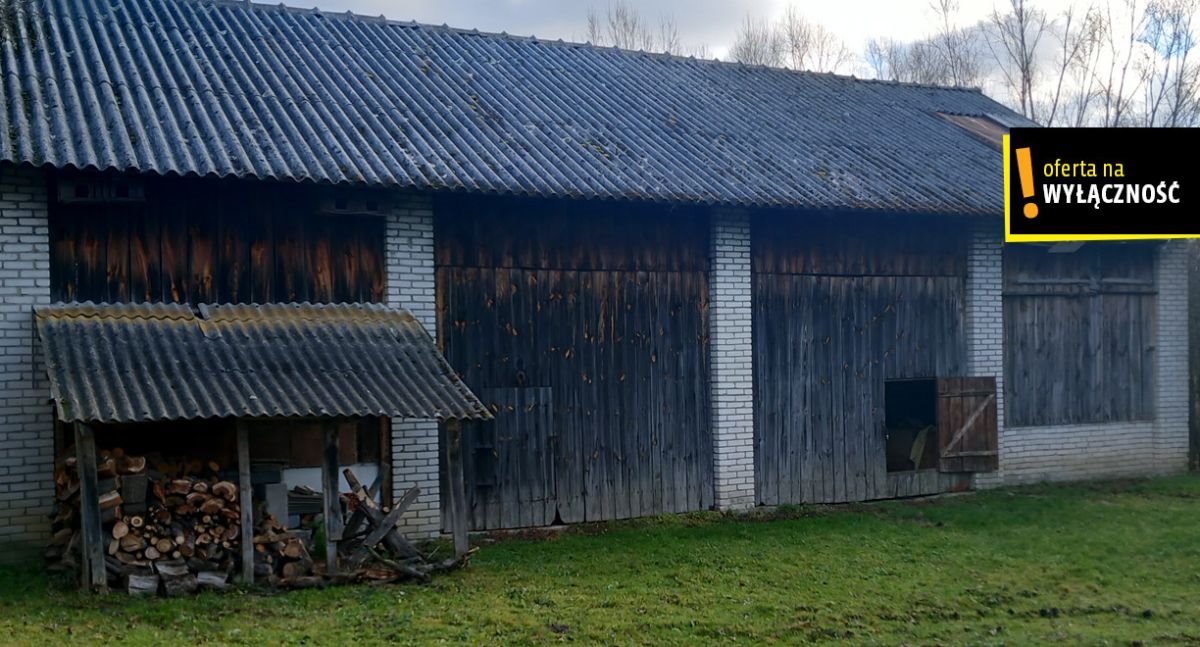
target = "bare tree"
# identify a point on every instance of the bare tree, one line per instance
(949, 56)
(622, 25)
(919, 61)
(1118, 86)
(880, 57)
(700, 51)
(808, 45)
(1080, 50)
(957, 46)
(1014, 39)
(1083, 71)
(1170, 86)
(668, 36)
(794, 42)
(757, 43)
(1114, 63)
(916, 62)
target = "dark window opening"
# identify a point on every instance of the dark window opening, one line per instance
(911, 422)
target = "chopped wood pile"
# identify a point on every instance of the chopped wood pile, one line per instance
(173, 528)
(371, 548)
(169, 524)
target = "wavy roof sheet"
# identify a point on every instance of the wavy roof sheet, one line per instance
(225, 88)
(145, 362)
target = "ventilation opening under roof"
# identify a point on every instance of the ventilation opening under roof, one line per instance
(981, 126)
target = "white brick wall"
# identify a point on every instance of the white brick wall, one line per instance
(26, 424)
(1171, 400)
(411, 285)
(1073, 452)
(731, 360)
(984, 307)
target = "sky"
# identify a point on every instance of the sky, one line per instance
(701, 22)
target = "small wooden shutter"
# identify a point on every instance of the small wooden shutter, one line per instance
(966, 417)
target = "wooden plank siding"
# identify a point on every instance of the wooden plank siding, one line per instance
(510, 468)
(223, 241)
(596, 315)
(1079, 334)
(215, 242)
(840, 306)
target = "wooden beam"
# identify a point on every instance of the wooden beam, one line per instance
(359, 515)
(333, 507)
(456, 493)
(389, 522)
(246, 498)
(966, 426)
(366, 503)
(385, 460)
(95, 576)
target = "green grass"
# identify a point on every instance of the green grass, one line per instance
(1094, 563)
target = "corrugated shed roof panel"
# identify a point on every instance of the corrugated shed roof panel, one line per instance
(142, 362)
(212, 87)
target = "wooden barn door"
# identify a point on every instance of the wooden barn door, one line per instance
(591, 322)
(841, 306)
(509, 462)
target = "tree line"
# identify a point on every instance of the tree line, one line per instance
(1106, 63)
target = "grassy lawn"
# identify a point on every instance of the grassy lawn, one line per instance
(1095, 563)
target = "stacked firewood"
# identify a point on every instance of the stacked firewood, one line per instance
(371, 547)
(172, 528)
(280, 554)
(175, 523)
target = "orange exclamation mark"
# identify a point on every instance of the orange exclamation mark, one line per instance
(1025, 171)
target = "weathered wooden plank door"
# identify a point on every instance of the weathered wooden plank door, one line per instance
(966, 417)
(609, 310)
(837, 313)
(509, 461)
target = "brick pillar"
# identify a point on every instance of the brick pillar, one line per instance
(985, 318)
(732, 360)
(26, 420)
(1171, 398)
(411, 285)
(985, 306)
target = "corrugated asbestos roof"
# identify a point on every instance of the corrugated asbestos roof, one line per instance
(216, 87)
(143, 362)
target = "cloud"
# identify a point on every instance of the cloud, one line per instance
(711, 22)
(701, 22)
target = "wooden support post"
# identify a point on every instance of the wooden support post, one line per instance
(95, 576)
(456, 495)
(246, 499)
(333, 507)
(385, 460)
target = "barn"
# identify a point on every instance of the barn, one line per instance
(675, 284)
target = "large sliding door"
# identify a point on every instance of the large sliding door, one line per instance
(584, 328)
